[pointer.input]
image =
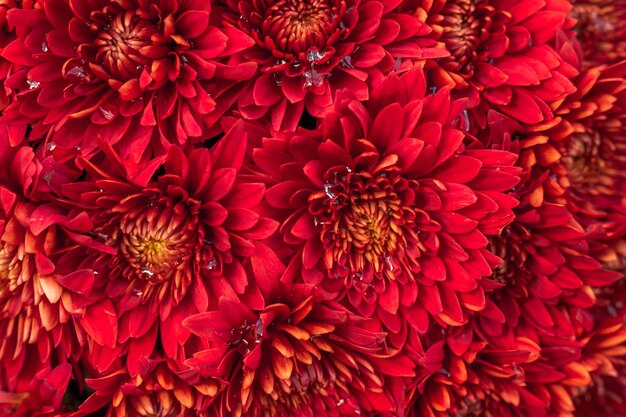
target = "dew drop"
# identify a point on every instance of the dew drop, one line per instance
(315, 55)
(108, 115)
(346, 62)
(75, 72)
(433, 89)
(358, 283)
(312, 78)
(328, 190)
(147, 273)
(44, 46)
(103, 236)
(389, 262)
(137, 292)
(212, 264)
(48, 177)
(466, 119)
(50, 146)
(445, 372)
(32, 84)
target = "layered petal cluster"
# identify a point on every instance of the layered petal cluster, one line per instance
(139, 74)
(170, 241)
(600, 30)
(36, 313)
(384, 206)
(578, 159)
(462, 375)
(504, 53)
(7, 35)
(299, 357)
(306, 51)
(164, 389)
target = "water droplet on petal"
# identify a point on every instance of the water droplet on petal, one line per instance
(108, 115)
(312, 78)
(32, 84)
(315, 55)
(50, 146)
(212, 264)
(75, 72)
(397, 64)
(44, 46)
(466, 119)
(147, 273)
(327, 189)
(346, 62)
(389, 262)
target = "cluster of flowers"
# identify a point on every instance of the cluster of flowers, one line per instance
(257, 208)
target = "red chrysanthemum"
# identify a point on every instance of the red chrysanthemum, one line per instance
(137, 73)
(604, 354)
(504, 51)
(164, 389)
(37, 315)
(299, 356)
(600, 30)
(385, 207)
(7, 35)
(307, 50)
(463, 375)
(172, 240)
(578, 158)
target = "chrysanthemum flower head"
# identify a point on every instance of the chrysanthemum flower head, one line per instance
(308, 50)
(36, 312)
(172, 238)
(138, 74)
(600, 30)
(386, 208)
(504, 52)
(299, 356)
(163, 389)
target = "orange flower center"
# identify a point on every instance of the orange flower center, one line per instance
(124, 48)
(366, 227)
(593, 19)
(585, 162)
(464, 25)
(296, 25)
(158, 240)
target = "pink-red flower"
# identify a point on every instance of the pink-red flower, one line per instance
(386, 208)
(164, 389)
(299, 356)
(138, 74)
(600, 30)
(37, 315)
(504, 53)
(307, 50)
(174, 239)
